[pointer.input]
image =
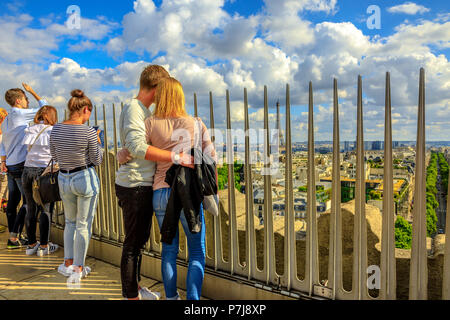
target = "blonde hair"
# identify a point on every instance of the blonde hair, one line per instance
(169, 99)
(47, 114)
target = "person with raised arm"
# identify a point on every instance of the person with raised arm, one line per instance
(13, 154)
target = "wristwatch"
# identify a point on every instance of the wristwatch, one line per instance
(176, 159)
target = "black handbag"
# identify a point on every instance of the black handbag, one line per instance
(46, 188)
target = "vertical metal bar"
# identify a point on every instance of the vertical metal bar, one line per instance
(219, 262)
(446, 270)
(97, 218)
(250, 222)
(210, 261)
(195, 106)
(117, 208)
(290, 256)
(121, 226)
(419, 272)
(183, 253)
(290, 279)
(154, 231)
(233, 240)
(110, 213)
(269, 246)
(360, 229)
(335, 250)
(101, 208)
(312, 260)
(388, 277)
(211, 115)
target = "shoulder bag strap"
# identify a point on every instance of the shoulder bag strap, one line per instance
(42, 131)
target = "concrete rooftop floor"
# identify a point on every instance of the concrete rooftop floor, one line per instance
(25, 277)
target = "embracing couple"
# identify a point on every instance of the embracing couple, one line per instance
(154, 146)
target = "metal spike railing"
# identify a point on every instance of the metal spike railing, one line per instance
(335, 250)
(418, 286)
(269, 245)
(312, 255)
(388, 276)
(359, 284)
(108, 225)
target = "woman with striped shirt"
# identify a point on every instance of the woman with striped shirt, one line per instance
(76, 148)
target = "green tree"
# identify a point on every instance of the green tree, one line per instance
(403, 233)
(432, 203)
(374, 195)
(222, 174)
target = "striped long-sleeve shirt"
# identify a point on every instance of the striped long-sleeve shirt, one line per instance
(74, 146)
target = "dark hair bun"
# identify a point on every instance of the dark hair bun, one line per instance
(77, 93)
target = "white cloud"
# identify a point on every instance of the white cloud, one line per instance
(208, 49)
(21, 42)
(92, 29)
(281, 7)
(408, 8)
(83, 46)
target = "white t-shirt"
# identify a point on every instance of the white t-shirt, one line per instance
(39, 156)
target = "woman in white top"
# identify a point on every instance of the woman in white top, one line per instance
(37, 139)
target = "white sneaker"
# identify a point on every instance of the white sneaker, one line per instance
(65, 271)
(146, 294)
(51, 248)
(32, 250)
(75, 277)
(84, 273)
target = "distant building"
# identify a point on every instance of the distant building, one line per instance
(347, 146)
(377, 145)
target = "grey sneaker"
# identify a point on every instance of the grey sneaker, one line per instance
(146, 294)
(51, 247)
(32, 250)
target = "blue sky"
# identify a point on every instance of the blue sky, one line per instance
(214, 45)
(349, 10)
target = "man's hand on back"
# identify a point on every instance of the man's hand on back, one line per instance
(123, 156)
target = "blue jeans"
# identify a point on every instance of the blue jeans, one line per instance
(196, 249)
(79, 194)
(16, 220)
